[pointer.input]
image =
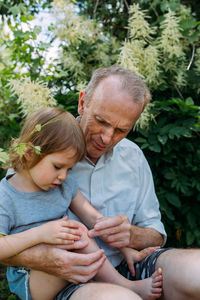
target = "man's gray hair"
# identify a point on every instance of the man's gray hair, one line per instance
(130, 82)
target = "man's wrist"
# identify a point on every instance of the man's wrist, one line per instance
(142, 237)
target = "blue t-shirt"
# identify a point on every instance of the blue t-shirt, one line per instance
(20, 211)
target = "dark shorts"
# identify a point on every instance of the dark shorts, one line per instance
(67, 291)
(143, 269)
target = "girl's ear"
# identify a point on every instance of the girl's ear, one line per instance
(29, 152)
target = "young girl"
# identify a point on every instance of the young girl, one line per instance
(35, 199)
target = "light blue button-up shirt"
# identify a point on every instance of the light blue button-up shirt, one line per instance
(120, 183)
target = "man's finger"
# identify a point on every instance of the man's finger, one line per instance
(107, 231)
(104, 223)
(87, 270)
(79, 259)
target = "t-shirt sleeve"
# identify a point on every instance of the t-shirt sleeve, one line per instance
(70, 187)
(5, 214)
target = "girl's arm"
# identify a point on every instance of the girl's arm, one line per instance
(56, 232)
(84, 210)
(11, 245)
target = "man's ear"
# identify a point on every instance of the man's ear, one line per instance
(29, 152)
(81, 103)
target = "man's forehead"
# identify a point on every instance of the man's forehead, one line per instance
(113, 116)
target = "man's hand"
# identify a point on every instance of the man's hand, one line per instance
(115, 231)
(76, 267)
(71, 266)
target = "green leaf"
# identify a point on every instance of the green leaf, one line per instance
(140, 140)
(189, 238)
(177, 131)
(189, 101)
(169, 214)
(162, 139)
(164, 5)
(155, 148)
(194, 37)
(14, 10)
(37, 150)
(37, 29)
(38, 127)
(21, 149)
(173, 199)
(25, 18)
(3, 156)
(143, 146)
(170, 175)
(191, 220)
(188, 23)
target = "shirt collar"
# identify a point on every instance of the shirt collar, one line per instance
(102, 160)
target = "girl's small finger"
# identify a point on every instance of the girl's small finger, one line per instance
(68, 236)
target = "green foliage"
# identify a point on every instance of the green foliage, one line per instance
(172, 147)
(4, 289)
(14, 7)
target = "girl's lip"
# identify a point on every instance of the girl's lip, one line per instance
(53, 185)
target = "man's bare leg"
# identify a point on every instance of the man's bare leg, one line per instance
(102, 291)
(181, 274)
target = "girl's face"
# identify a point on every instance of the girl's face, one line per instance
(52, 170)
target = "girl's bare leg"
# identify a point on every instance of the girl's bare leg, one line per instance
(44, 286)
(148, 289)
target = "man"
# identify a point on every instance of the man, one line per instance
(116, 179)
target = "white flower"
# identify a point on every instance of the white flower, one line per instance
(145, 117)
(170, 40)
(139, 28)
(31, 95)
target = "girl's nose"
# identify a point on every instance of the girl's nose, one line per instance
(62, 175)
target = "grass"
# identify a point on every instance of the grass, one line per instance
(5, 293)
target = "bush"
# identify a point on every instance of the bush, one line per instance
(172, 147)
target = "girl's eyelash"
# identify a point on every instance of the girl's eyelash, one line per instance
(56, 167)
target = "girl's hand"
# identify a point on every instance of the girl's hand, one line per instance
(60, 232)
(132, 256)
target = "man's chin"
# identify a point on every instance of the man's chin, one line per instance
(95, 156)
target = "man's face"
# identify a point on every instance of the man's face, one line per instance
(107, 117)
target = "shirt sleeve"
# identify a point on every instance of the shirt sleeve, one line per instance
(147, 209)
(5, 215)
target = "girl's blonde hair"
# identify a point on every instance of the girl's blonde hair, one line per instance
(60, 131)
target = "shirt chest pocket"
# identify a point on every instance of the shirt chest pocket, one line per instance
(121, 206)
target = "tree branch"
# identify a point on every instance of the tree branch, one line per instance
(95, 9)
(192, 58)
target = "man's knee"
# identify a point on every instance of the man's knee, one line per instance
(181, 273)
(102, 291)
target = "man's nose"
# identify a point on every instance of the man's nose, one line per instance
(107, 135)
